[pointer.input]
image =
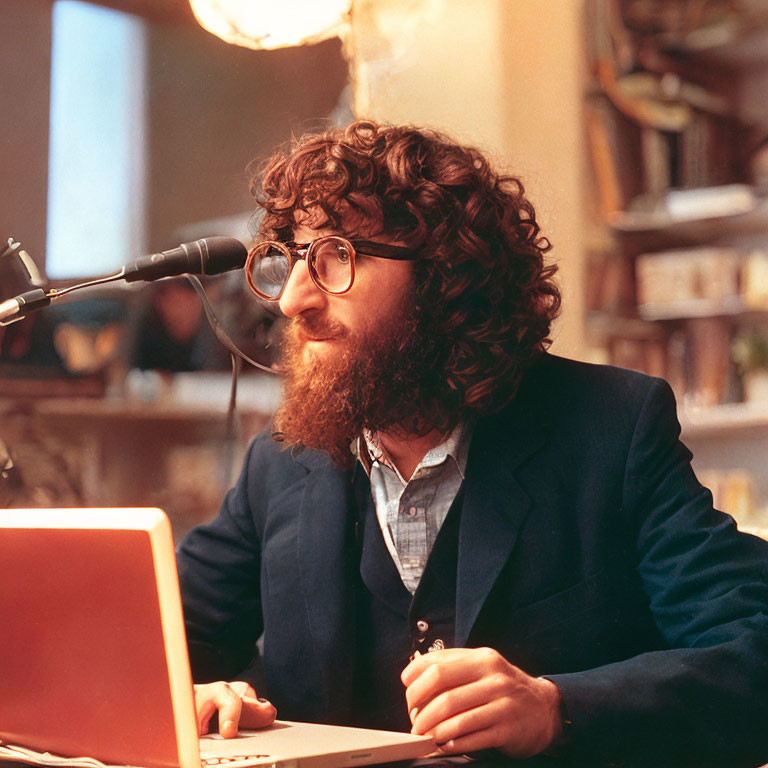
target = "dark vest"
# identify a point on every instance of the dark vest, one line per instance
(392, 624)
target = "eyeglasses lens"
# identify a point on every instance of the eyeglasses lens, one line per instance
(270, 270)
(330, 261)
(331, 264)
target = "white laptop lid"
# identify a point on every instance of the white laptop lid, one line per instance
(93, 655)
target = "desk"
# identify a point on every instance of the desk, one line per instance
(448, 762)
(451, 762)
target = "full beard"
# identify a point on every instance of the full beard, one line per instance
(379, 378)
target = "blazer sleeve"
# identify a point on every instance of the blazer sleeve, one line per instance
(219, 565)
(704, 700)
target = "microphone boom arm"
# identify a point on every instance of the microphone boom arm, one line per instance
(19, 307)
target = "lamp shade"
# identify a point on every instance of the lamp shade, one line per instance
(267, 24)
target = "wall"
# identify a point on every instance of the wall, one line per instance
(212, 109)
(506, 76)
(500, 74)
(25, 56)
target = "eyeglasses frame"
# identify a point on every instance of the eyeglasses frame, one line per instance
(302, 251)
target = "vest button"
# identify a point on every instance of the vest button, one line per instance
(422, 626)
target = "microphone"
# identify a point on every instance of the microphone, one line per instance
(21, 305)
(207, 256)
(19, 273)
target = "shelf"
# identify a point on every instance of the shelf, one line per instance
(682, 191)
(690, 309)
(720, 419)
(608, 325)
(693, 230)
(644, 325)
(200, 396)
(728, 44)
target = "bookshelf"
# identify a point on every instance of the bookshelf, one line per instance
(677, 132)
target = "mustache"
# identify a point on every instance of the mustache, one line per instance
(318, 326)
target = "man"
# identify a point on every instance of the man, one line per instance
(451, 530)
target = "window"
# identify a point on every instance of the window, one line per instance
(96, 150)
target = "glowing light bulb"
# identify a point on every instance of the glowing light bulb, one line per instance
(268, 24)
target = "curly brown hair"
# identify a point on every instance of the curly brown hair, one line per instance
(482, 286)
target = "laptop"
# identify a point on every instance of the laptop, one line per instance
(93, 655)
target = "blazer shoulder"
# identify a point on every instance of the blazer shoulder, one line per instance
(579, 384)
(273, 464)
(594, 376)
(594, 399)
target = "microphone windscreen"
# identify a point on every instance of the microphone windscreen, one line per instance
(220, 254)
(207, 256)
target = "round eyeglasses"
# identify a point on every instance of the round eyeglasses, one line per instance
(330, 262)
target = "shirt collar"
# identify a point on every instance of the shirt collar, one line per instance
(368, 449)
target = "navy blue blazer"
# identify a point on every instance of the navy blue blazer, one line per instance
(588, 552)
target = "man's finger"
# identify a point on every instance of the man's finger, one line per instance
(229, 705)
(449, 705)
(438, 677)
(242, 689)
(204, 714)
(256, 713)
(422, 661)
(488, 738)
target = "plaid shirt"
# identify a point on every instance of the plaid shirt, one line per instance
(411, 512)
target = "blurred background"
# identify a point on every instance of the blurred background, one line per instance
(639, 127)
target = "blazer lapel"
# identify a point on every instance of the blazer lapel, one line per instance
(495, 503)
(326, 549)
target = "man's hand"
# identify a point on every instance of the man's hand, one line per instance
(470, 699)
(237, 705)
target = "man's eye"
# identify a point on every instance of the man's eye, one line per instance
(342, 254)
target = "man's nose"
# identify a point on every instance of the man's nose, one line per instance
(300, 293)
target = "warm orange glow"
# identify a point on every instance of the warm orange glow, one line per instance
(267, 24)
